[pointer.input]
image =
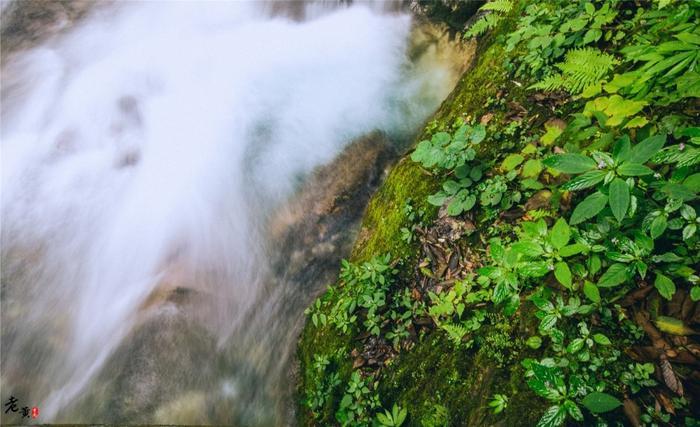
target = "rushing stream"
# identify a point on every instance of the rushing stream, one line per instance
(149, 153)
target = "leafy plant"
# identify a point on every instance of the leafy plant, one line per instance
(614, 174)
(395, 418)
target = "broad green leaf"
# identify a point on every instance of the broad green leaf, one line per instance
(572, 250)
(478, 134)
(532, 168)
(615, 275)
(678, 191)
(534, 342)
(689, 231)
(636, 122)
(619, 198)
(533, 269)
(512, 161)
(658, 226)
(554, 416)
(527, 248)
(643, 151)
(570, 163)
(598, 402)
(575, 345)
(573, 410)
(563, 274)
(634, 169)
(588, 208)
(455, 208)
(437, 199)
(601, 339)
(695, 293)
(548, 322)
(622, 149)
(551, 135)
(591, 291)
(560, 234)
(547, 382)
(665, 286)
(585, 180)
(693, 182)
(500, 293)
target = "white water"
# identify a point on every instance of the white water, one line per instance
(147, 146)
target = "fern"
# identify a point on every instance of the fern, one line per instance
(581, 68)
(490, 20)
(482, 25)
(503, 6)
(455, 332)
(550, 84)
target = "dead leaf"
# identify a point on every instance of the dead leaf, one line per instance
(633, 412)
(669, 376)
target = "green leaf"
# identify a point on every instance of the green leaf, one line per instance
(591, 291)
(575, 345)
(572, 250)
(636, 122)
(658, 226)
(665, 286)
(643, 151)
(598, 402)
(689, 231)
(531, 168)
(500, 293)
(619, 198)
(601, 339)
(512, 161)
(615, 275)
(572, 408)
(534, 342)
(455, 208)
(622, 149)
(560, 234)
(586, 180)
(547, 323)
(570, 163)
(695, 293)
(554, 416)
(478, 134)
(437, 199)
(588, 208)
(634, 169)
(563, 274)
(547, 382)
(678, 191)
(527, 248)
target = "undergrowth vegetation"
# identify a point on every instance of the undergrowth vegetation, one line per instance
(586, 228)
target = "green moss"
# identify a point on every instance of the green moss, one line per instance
(435, 373)
(384, 217)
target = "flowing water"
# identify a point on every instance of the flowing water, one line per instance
(147, 153)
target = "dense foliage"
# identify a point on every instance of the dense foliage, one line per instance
(588, 226)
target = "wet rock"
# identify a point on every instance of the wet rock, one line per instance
(166, 355)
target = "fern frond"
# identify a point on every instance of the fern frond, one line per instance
(584, 67)
(503, 6)
(482, 25)
(455, 332)
(550, 83)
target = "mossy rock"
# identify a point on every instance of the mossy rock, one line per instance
(434, 371)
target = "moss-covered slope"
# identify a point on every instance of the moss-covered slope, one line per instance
(434, 375)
